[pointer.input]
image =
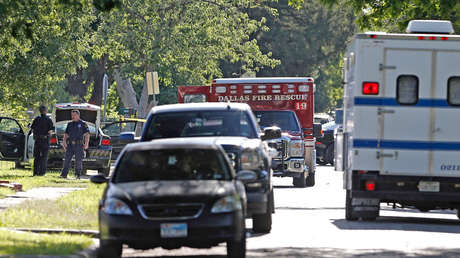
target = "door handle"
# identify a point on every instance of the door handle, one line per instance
(381, 155)
(381, 111)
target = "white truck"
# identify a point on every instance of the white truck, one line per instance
(400, 142)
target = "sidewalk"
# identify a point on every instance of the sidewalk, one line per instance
(41, 193)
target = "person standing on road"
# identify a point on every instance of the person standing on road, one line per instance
(42, 127)
(76, 141)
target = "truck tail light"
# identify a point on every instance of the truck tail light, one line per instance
(370, 88)
(105, 142)
(370, 185)
(53, 140)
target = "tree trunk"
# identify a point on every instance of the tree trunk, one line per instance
(77, 86)
(98, 71)
(126, 91)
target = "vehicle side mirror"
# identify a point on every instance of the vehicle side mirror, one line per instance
(317, 130)
(127, 136)
(246, 175)
(98, 179)
(271, 133)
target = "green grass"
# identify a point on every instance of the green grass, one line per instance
(76, 210)
(24, 243)
(24, 176)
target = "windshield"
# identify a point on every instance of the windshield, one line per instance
(172, 164)
(285, 120)
(200, 124)
(60, 128)
(66, 115)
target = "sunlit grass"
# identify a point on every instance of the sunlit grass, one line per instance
(76, 210)
(24, 243)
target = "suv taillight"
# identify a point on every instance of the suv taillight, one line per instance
(53, 140)
(105, 142)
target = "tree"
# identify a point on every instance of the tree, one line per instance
(183, 40)
(309, 41)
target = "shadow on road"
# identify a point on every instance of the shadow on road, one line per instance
(283, 186)
(329, 253)
(402, 224)
(309, 208)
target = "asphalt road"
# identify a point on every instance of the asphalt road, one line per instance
(310, 223)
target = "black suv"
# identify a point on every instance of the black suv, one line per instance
(173, 193)
(238, 133)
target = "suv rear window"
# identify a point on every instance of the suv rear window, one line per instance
(407, 90)
(200, 124)
(453, 91)
(172, 164)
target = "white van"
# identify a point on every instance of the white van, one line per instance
(401, 137)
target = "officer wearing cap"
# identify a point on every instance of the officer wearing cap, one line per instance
(76, 141)
(42, 127)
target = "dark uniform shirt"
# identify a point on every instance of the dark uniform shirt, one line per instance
(41, 125)
(76, 130)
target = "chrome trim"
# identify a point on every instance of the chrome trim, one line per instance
(141, 211)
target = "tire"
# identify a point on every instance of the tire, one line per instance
(348, 208)
(237, 249)
(18, 165)
(110, 249)
(301, 181)
(104, 171)
(262, 223)
(310, 180)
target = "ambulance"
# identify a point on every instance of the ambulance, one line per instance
(286, 102)
(400, 142)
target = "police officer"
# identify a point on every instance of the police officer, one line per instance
(76, 140)
(42, 127)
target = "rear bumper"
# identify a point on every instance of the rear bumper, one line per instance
(97, 158)
(206, 231)
(405, 190)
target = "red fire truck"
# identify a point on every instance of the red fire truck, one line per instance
(284, 102)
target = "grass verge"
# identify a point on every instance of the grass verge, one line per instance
(24, 176)
(76, 210)
(24, 243)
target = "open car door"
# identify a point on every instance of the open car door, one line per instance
(12, 140)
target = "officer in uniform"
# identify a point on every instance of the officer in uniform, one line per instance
(42, 127)
(76, 141)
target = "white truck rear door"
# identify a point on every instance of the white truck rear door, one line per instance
(446, 133)
(405, 119)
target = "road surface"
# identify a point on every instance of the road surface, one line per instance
(310, 223)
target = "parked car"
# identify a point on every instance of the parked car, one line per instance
(171, 193)
(238, 133)
(98, 155)
(14, 144)
(123, 132)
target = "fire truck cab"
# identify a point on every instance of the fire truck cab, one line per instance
(284, 102)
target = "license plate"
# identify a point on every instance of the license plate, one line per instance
(173, 230)
(429, 186)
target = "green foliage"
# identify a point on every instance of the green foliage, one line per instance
(393, 15)
(309, 41)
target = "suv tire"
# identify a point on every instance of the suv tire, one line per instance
(237, 249)
(310, 181)
(262, 223)
(301, 181)
(110, 249)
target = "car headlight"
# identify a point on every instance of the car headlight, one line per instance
(113, 206)
(227, 204)
(251, 160)
(296, 148)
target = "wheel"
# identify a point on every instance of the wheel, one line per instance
(104, 171)
(237, 249)
(110, 249)
(18, 165)
(300, 181)
(310, 179)
(262, 223)
(348, 208)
